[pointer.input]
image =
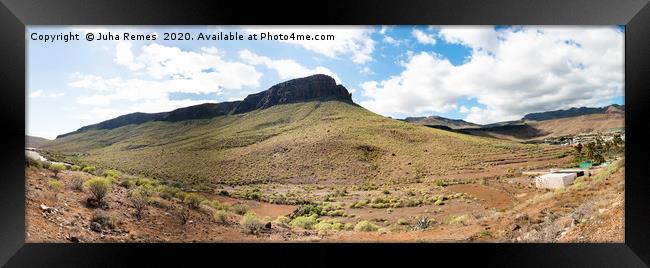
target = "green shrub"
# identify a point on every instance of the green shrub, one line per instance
(33, 163)
(329, 225)
(216, 205)
(441, 183)
(193, 200)
(75, 168)
(127, 183)
(305, 222)
(78, 184)
(460, 219)
(105, 219)
(139, 198)
(221, 216)
(224, 193)
(55, 185)
(308, 210)
(365, 226)
(98, 187)
(167, 192)
(56, 168)
(111, 173)
(283, 220)
(251, 223)
(89, 169)
(146, 181)
(239, 208)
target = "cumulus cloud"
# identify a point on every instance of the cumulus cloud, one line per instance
(423, 37)
(285, 68)
(124, 56)
(167, 69)
(511, 72)
(355, 43)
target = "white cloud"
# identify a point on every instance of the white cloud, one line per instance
(349, 42)
(40, 93)
(527, 70)
(423, 37)
(286, 69)
(36, 93)
(169, 69)
(390, 40)
(479, 38)
(124, 56)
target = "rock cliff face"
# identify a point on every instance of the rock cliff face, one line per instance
(316, 87)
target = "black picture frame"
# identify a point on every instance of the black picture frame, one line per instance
(15, 15)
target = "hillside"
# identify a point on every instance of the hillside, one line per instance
(537, 130)
(34, 142)
(573, 112)
(441, 121)
(310, 137)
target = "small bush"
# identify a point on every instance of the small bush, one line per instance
(441, 183)
(224, 193)
(33, 163)
(308, 210)
(251, 223)
(283, 220)
(216, 205)
(55, 186)
(305, 222)
(78, 184)
(111, 173)
(146, 181)
(221, 216)
(460, 219)
(193, 200)
(56, 168)
(182, 213)
(127, 183)
(167, 192)
(329, 225)
(98, 187)
(105, 219)
(365, 226)
(75, 168)
(139, 198)
(401, 221)
(89, 169)
(239, 209)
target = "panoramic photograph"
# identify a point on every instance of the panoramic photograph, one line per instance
(325, 134)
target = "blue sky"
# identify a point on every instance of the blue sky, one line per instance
(480, 74)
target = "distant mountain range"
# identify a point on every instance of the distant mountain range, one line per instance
(537, 125)
(34, 142)
(441, 122)
(614, 108)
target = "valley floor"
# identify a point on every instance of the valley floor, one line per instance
(496, 204)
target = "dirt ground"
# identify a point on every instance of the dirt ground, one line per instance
(495, 206)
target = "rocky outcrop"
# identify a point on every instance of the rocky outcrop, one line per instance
(316, 87)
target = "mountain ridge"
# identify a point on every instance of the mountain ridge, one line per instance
(315, 87)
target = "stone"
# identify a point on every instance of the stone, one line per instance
(95, 226)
